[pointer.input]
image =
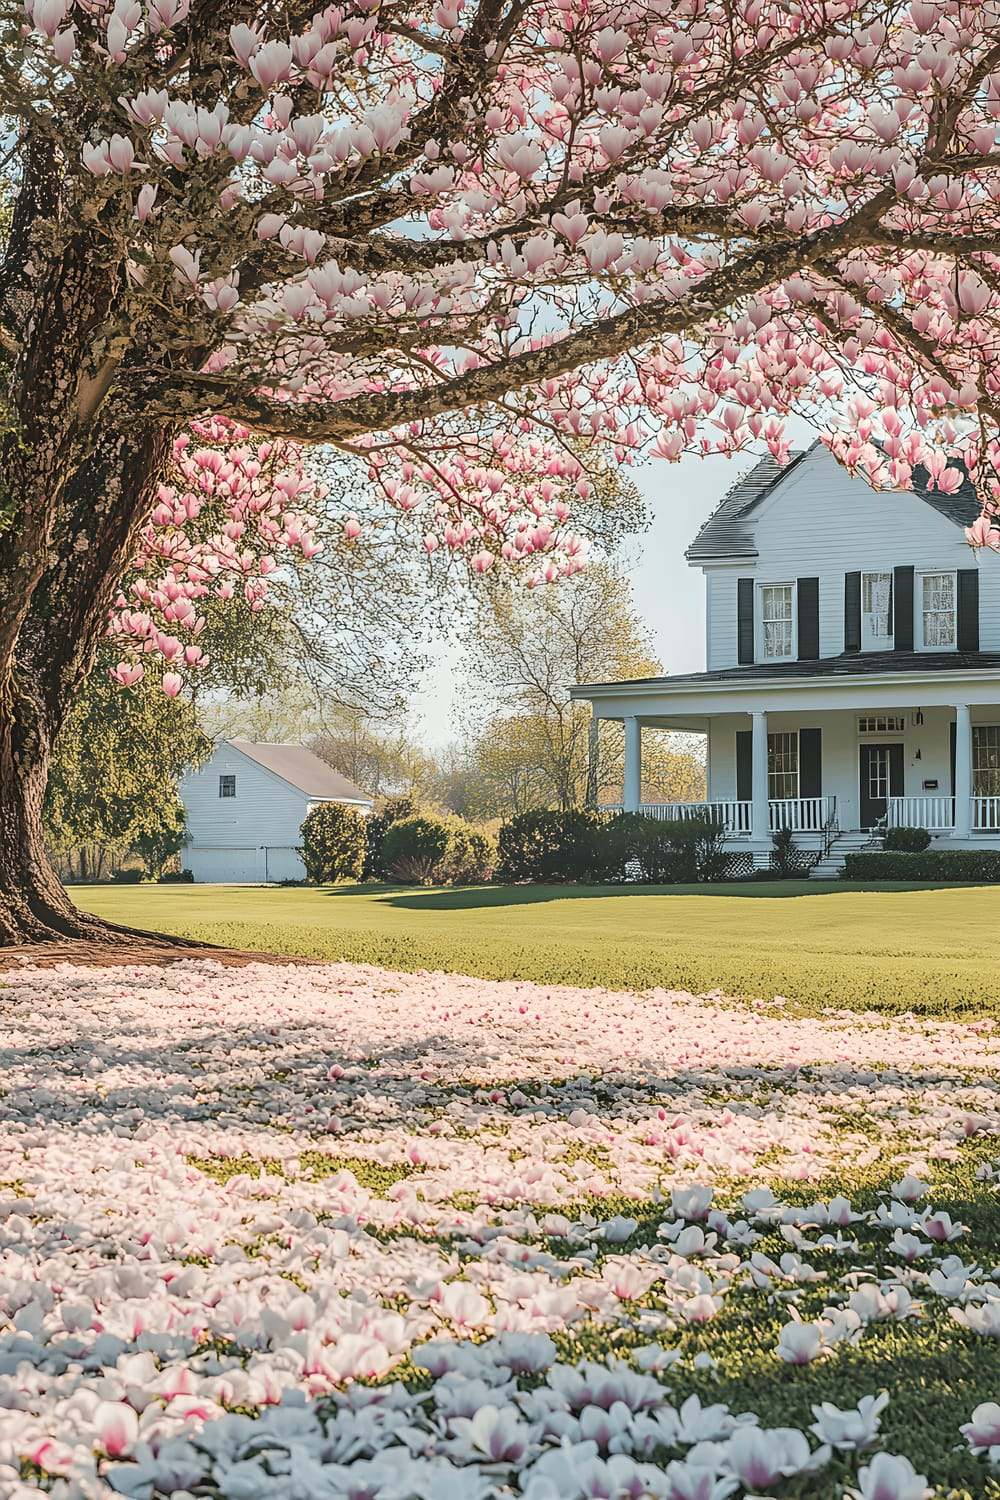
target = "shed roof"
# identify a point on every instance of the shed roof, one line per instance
(729, 530)
(302, 769)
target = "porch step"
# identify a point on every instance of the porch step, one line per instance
(831, 866)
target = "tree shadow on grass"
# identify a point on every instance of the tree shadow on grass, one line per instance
(484, 897)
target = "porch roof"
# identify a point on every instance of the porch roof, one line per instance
(870, 680)
(851, 664)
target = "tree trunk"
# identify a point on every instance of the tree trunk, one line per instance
(34, 907)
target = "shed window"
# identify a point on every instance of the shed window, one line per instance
(227, 786)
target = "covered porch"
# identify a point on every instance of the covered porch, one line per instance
(841, 754)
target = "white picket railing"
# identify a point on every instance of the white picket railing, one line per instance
(986, 814)
(936, 814)
(734, 816)
(802, 814)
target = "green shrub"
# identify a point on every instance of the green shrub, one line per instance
(787, 859)
(551, 847)
(470, 857)
(554, 847)
(424, 850)
(127, 877)
(376, 828)
(907, 840)
(981, 865)
(333, 843)
(176, 877)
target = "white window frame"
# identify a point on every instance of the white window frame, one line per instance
(922, 644)
(894, 724)
(870, 642)
(782, 748)
(985, 778)
(780, 583)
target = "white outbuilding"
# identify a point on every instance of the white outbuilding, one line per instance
(246, 804)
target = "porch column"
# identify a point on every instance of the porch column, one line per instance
(760, 825)
(593, 760)
(963, 771)
(632, 786)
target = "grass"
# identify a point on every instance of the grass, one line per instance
(893, 948)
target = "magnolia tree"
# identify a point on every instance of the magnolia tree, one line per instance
(461, 242)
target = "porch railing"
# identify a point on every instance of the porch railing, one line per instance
(734, 816)
(986, 814)
(802, 814)
(936, 814)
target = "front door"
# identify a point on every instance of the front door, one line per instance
(881, 769)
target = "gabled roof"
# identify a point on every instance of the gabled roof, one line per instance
(729, 530)
(302, 770)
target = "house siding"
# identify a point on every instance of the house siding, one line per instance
(821, 522)
(229, 835)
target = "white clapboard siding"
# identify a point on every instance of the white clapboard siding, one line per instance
(819, 522)
(266, 809)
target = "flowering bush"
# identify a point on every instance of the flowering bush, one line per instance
(339, 1232)
(333, 842)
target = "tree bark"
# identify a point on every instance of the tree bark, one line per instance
(93, 537)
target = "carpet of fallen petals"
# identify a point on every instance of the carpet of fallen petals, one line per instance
(336, 1232)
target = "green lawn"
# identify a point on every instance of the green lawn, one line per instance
(934, 951)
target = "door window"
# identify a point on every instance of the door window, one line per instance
(878, 772)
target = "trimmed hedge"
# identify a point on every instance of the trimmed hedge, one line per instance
(935, 864)
(553, 848)
(907, 840)
(333, 843)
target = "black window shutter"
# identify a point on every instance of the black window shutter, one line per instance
(902, 609)
(807, 593)
(744, 621)
(967, 632)
(744, 765)
(810, 763)
(852, 611)
(952, 738)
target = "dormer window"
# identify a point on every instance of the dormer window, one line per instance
(777, 621)
(937, 611)
(876, 611)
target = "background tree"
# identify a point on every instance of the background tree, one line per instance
(113, 787)
(454, 238)
(526, 651)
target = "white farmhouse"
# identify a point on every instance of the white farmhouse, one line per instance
(853, 677)
(245, 807)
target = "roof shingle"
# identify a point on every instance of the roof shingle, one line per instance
(302, 769)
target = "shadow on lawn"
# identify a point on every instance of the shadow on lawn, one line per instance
(469, 898)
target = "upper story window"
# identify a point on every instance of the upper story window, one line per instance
(876, 611)
(777, 621)
(937, 611)
(227, 786)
